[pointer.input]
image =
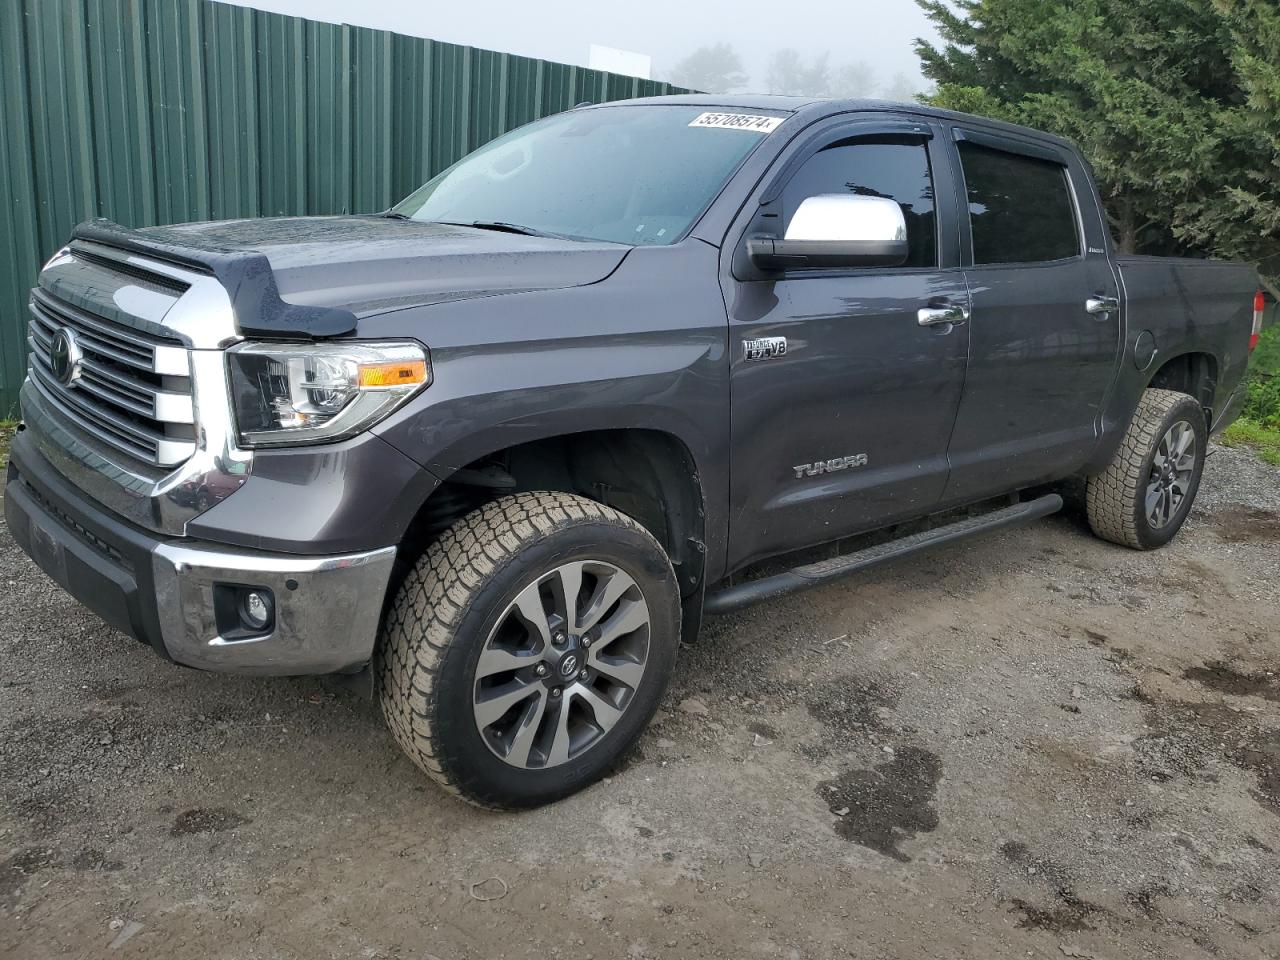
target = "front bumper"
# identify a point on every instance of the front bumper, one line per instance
(168, 593)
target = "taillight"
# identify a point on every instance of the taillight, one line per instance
(1259, 305)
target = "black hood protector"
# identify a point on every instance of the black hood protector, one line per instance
(317, 277)
(247, 276)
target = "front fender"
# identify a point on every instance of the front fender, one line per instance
(643, 349)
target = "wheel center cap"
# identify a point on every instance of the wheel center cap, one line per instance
(570, 664)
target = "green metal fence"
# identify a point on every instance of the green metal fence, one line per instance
(161, 111)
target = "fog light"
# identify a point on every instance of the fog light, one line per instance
(256, 609)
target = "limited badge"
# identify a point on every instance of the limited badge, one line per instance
(755, 123)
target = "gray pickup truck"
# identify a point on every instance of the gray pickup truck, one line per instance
(503, 445)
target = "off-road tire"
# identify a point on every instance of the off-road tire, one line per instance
(1116, 497)
(441, 618)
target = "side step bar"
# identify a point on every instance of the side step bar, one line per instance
(824, 571)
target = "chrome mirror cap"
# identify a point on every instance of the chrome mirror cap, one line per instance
(836, 230)
(850, 218)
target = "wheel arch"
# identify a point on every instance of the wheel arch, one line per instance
(1193, 372)
(649, 474)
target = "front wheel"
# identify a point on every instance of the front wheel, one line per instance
(1143, 497)
(528, 647)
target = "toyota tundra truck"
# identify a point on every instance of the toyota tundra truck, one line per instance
(502, 446)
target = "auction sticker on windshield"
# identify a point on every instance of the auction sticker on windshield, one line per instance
(736, 121)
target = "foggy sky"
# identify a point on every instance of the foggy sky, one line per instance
(877, 33)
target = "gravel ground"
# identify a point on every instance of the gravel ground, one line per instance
(1032, 745)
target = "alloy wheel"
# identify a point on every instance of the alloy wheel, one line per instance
(562, 664)
(1172, 468)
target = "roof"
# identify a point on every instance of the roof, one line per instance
(817, 107)
(740, 101)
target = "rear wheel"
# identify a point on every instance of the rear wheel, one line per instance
(528, 648)
(1143, 497)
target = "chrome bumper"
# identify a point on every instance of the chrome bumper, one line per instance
(327, 609)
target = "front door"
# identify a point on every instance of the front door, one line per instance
(1045, 326)
(843, 403)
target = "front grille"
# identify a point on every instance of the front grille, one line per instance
(134, 389)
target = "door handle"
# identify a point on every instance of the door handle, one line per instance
(1101, 306)
(930, 316)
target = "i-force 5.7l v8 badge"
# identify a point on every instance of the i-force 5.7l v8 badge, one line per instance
(764, 348)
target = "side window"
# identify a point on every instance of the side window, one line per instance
(874, 168)
(1020, 207)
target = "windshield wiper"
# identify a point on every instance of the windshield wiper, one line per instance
(506, 227)
(501, 225)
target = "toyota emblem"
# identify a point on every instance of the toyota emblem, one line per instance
(64, 357)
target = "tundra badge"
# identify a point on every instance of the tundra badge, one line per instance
(830, 466)
(764, 348)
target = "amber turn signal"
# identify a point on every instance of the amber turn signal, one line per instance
(396, 374)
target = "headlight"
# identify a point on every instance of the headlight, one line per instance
(312, 393)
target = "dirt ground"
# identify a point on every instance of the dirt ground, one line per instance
(1032, 745)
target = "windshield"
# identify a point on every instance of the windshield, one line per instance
(635, 174)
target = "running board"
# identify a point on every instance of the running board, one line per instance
(824, 571)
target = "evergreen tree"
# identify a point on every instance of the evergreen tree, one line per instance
(790, 74)
(854, 79)
(1176, 103)
(713, 69)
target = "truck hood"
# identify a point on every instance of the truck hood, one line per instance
(373, 264)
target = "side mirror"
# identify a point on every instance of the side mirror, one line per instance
(837, 230)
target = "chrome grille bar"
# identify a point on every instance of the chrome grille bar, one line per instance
(101, 423)
(151, 336)
(107, 383)
(132, 391)
(110, 340)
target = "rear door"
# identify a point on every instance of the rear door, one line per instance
(847, 428)
(1045, 327)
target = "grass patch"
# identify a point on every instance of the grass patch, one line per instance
(7, 429)
(1250, 433)
(1259, 423)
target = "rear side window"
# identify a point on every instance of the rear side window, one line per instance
(874, 168)
(1020, 207)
